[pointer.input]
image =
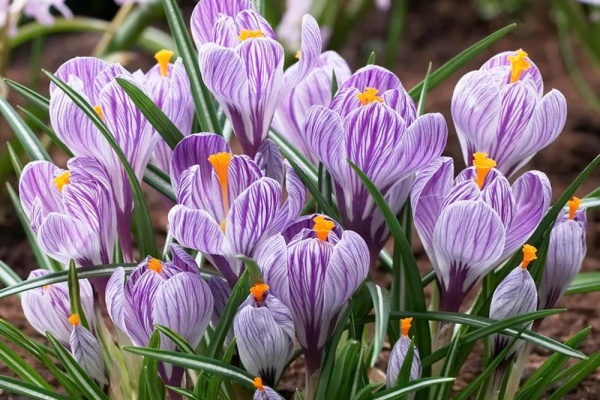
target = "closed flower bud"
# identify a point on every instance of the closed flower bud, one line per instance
(398, 355)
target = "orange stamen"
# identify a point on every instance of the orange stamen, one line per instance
(220, 163)
(484, 165)
(405, 323)
(528, 255)
(61, 180)
(369, 96)
(250, 34)
(518, 65)
(155, 265)
(322, 227)
(258, 291)
(573, 204)
(163, 58)
(74, 319)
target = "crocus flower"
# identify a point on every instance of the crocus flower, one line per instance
(171, 294)
(95, 81)
(169, 88)
(225, 206)
(372, 122)
(398, 355)
(314, 275)
(264, 330)
(500, 110)
(48, 309)
(71, 211)
(264, 392)
(566, 252)
(515, 295)
(315, 89)
(242, 65)
(478, 207)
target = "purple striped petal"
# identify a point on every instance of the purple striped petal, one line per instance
(115, 298)
(196, 229)
(86, 351)
(86, 69)
(207, 12)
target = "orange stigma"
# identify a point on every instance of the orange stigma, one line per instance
(163, 58)
(61, 180)
(258, 291)
(573, 204)
(518, 65)
(99, 111)
(257, 382)
(250, 34)
(528, 255)
(322, 227)
(484, 165)
(74, 319)
(405, 324)
(369, 96)
(155, 265)
(220, 163)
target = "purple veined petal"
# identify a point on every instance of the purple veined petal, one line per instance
(86, 351)
(532, 74)
(373, 76)
(251, 215)
(196, 229)
(184, 303)
(547, 123)
(115, 297)
(65, 238)
(195, 150)
(221, 292)
(467, 243)
(423, 141)
(269, 160)
(182, 260)
(532, 192)
(271, 256)
(475, 107)
(201, 192)
(251, 20)
(37, 182)
(84, 68)
(138, 306)
(107, 76)
(431, 187)
(498, 194)
(207, 12)
(293, 204)
(310, 50)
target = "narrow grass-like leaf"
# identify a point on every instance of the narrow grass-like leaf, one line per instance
(585, 282)
(409, 387)
(179, 341)
(35, 120)
(30, 95)
(586, 368)
(7, 276)
(21, 367)
(197, 363)
(28, 390)
(31, 144)
(440, 74)
(151, 387)
(74, 297)
(145, 233)
(205, 110)
(381, 307)
(163, 125)
(88, 387)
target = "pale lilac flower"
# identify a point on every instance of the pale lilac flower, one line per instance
(226, 207)
(372, 122)
(500, 110)
(398, 356)
(314, 275)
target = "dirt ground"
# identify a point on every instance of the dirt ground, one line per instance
(435, 31)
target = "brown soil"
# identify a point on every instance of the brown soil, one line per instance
(435, 31)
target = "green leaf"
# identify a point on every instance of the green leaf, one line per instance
(440, 74)
(31, 144)
(86, 384)
(21, 367)
(29, 390)
(381, 307)
(585, 282)
(205, 110)
(7, 276)
(179, 341)
(30, 95)
(586, 368)
(74, 297)
(409, 387)
(197, 363)
(163, 125)
(151, 387)
(145, 233)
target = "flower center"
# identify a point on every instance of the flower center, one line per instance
(250, 34)
(61, 180)
(74, 319)
(257, 382)
(155, 265)
(369, 96)
(573, 204)
(484, 165)
(528, 255)
(258, 291)
(163, 58)
(322, 227)
(99, 111)
(220, 163)
(518, 65)
(405, 324)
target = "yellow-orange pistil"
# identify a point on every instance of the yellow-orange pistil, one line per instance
(163, 58)
(74, 319)
(518, 65)
(369, 96)
(257, 382)
(573, 204)
(220, 163)
(99, 111)
(528, 255)
(61, 180)
(258, 291)
(155, 265)
(250, 34)
(322, 227)
(484, 165)
(405, 324)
